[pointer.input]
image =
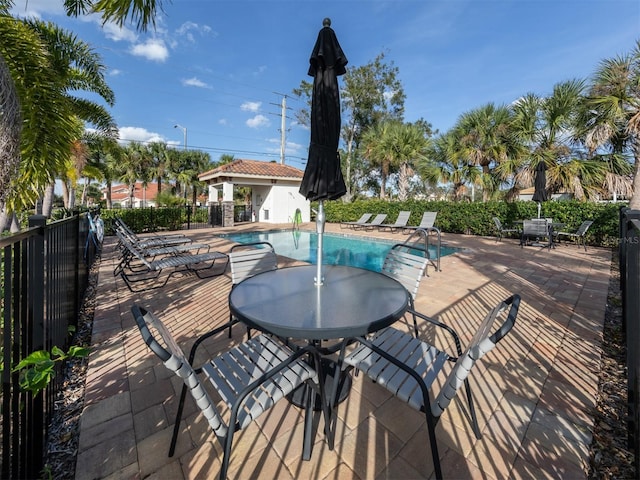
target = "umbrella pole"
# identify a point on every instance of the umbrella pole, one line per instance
(539, 207)
(319, 280)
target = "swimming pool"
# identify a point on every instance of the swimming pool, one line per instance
(345, 250)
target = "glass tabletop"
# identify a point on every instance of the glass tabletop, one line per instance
(287, 302)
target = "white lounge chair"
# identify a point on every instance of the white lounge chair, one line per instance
(363, 219)
(400, 223)
(427, 222)
(377, 221)
(147, 273)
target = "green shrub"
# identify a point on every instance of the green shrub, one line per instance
(477, 218)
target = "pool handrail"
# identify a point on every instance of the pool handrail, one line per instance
(424, 233)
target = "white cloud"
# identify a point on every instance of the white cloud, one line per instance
(294, 148)
(223, 121)
(117, 34)
(290, 148)
(194, 82)
(261, 70)
(258, 121)
(153, 49)
(250, 106)
(138, 134)
(114, 72)
(36, 8)
(187, 30)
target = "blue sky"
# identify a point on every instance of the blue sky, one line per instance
(219, 68)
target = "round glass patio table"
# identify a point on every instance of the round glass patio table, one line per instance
(287, 302)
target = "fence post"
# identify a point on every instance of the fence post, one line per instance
(630, 288)
(35, 279)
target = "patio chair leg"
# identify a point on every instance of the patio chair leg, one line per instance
(176, 426)
(431, 426)
(472, 411)
(308, 423)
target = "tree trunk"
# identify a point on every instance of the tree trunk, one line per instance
(4, 220)
(47, 201)
(403, 182)
(349, 195)
(384, 174)
(85, 187)
(108, 195)
(65, 194)
(72, 198)
(15, 224)
(10, 127)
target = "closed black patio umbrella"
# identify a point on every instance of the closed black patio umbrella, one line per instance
(323, 178)
(540, 185)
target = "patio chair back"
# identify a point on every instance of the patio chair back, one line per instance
(250, 378)
(536, 228)
(579, 235)
(582, 229)
(428, 219)
(484, 340)
(405, 265)
(249, 259)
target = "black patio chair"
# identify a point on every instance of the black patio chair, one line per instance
(501, 230)
(249, 378)
(408, 366)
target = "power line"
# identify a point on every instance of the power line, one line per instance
(296, 159)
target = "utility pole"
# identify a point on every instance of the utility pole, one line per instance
(283, 125)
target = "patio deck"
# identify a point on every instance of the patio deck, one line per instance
(535, 393)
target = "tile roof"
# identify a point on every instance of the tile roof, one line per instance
(120, 192)
(254, 168)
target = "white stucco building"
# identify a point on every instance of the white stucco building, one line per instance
(274, 198)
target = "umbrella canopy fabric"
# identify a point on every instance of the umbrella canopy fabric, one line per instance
(323, 178)
(540, 183)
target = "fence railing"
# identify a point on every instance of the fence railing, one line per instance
(44, 278)
(629, 253)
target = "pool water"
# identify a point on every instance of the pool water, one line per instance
(336, 249)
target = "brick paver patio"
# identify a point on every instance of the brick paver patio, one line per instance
(535, 393)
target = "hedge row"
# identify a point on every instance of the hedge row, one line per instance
(477, 218)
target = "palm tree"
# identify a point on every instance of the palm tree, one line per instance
(486, 139)
(142, 12)
(47, 130)
(445, 164)
(375, 147)
(129, 168)
(407, 147)
(52, 112)
(551, 128)
(104, 156)
(613, 105)
(31, 96)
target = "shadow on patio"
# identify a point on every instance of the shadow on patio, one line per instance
(534, 394)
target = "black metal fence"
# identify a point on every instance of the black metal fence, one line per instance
(629, 252)
(188, 217)
(44, 278)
